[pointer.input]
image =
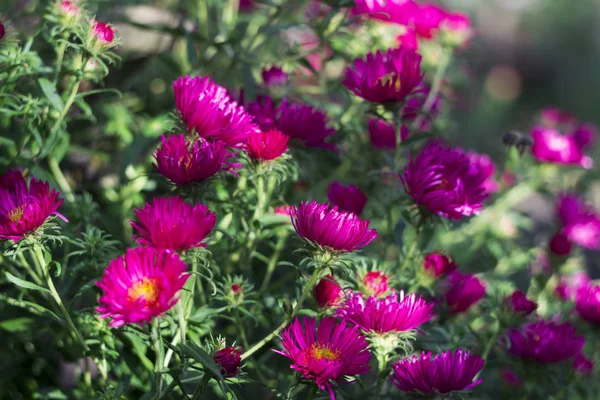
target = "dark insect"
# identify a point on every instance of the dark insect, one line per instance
(517, 139)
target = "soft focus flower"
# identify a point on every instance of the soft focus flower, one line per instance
(274, 76)
(183, 162)
(510, 377)
(553, 117)
(569, 285)
(104, 33)
(455, 30)
(25, 207)
(438, 264)
(465, 290)
(445, 181)
(581, 224)
(70, 10)
(394, 314)
(325, 353)
(328, 292)
(396, 11)
(328, 227)
(171, 223)
(549, 145)
(346, 198)
(207, 108)
(2, 30)
(140, 285)
(583, 365)
(408, 39)
(229, 359)
(247, 5)
(519, 303)
(267, 145)
(383, 134)
(428, 20)
(587, 303)
(559, 244)
(304, 122)
(414, 105)
(484, 168)
(443, 373)
(283, 210)
(545, 342)
(385, 77)
(585, 136)
(375, 283)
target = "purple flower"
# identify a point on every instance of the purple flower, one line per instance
(347, 198)
(545, 342)
(274, 76)
(583, 365)
(484, 168)
(445, 181)
(549, 145)
(581, 224)
(383, 134)
(207, 108)
(395, 313)
(587, 302)
(328, 227)
(438, 264)
(304, 122)
(443, 373)
(464, 291)
(585, 136)
(385, 77)
(519, 303)
(560, 245)
(267, 146)
(569, 285)
(229, 359)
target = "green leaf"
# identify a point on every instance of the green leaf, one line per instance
(197, 353)
(16, 324)
(50, 92)
(25, 284)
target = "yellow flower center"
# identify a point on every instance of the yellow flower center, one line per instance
(388, 79)
(16, 213)
(148, 288)
(319, 351)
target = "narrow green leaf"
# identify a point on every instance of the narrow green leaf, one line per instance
(50, 92)
(199, 354)
(25, 284)
(16, 324)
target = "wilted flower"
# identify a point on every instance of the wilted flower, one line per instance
(327, 353)
(328, 292)
(183, 162)
(549, 145)
(207, 108)
(394, 314)
(464, 291)
(229, 359)
(445, 181)
(545, 342)
(581, 224)
(569, 285)
(304, 122)
(328, 227)
(443, 373)
(171, 223)
(140, 285)
(25, 207)
(438, 264)
(559, 244)
(274, 76)
(385, 77)
(583, 365)
(375, 283)
(587, 303)
(347, 198)
(267, 145)
(104, 33)
(519, 303)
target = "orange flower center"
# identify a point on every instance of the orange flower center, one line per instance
(16, 213)
(146, 288)
(319, 351)
(388, 79)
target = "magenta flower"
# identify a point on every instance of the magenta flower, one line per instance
(104, 33)
(283, 210)
(583, 365)
(229, 359)
(140, 285)
(304, 122)
(569, 285)
(484, 168)
(581, 224)
(549, 145)
(328, 227)
(266, 146)
(326, 353)
(445, 182)
(519, 303)
(328, 292)
(408, 39)
(438, 264)
(545, 342)
(264, 110)
(274, 76)
(464, 291)
(383, 134)
(183, 162)
(24, 206)
(395, 313)
(585, 136)
(399, 12)
(560, 245)
(207, 108)
(347, 198)
(385, 77)
(70, 10)
(172, 224)
(375, 283)
(553, 117)
(428, 20)
(415, 104)
(2, 30)
(587, 303)
(443, 373)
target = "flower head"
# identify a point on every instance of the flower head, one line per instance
(484, 167)
(305, 123)
(545, 342)
(560, 244)
(385, 77)
(445, 181)
(399, 12)
(464, 291)
(171, 223)
(383, 134)
(569, 285)
(587, 303)
(274, 76)
(328, 227)
(325, 353)
(394, 314)
(140, 285)
(70, 10)
(328, 292)
(24, 206)
(375, 283)
(183, 162)
(267, 145)
(104, 33)
(585, 136)
(438, 264)
(549, 145)
(347, 198)
(229, 359)
(581, 224)
(583, 365)
(443, 373)
(428, 20)
(207, 108)
(519, 303)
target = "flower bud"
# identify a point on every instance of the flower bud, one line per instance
(375, 283)
(582, 365)
(438, 264)
(69, 9)
(229, 359)
(456, 30)
(465, 290)
(519, 303)
(560, 244)
(347, 198)
(274, 76)
(328, 292)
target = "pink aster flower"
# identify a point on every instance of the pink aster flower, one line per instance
(464, 291)
(397, 11)
(583, 365)
(70, 10)
(445, 182)
(140, 285)
(375, 283)
(328, 292)
(549, 145)
(331, 228)
(484, 168)
(25, 206)
(560, 244)
(569, 285)
(585, 136)
(183, 162)
(443, 373)
(266, 146)
(274, 76)
(347, 198)
(172, 224)
(519, 303)
(385, 77)
(394, 314)
(304, 122)
(207, 108)
(408, 39)
(587, 303)
(581, 224)
(104, 33)
(553, 117)
(545, 342)
(438, 264)
(428, 20)
(328, 353)
(383, 134)
(229, 360)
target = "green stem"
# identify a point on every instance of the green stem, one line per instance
(412, 247)
(31, 270)
(490, 345)
(298, 307)
(68, 104)
(380, 381)
(59, 59)
(60, 179)
(261, 197)
(158, 349)
(313, 392)
(242, 331)
(279, 246)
